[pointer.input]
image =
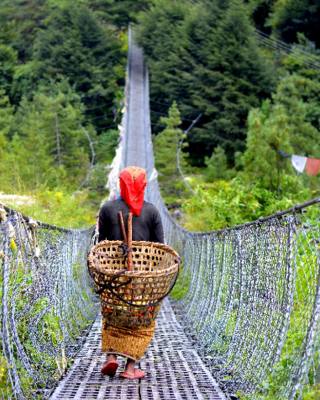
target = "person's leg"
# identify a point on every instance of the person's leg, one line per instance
(131, 372)
(110, 366)
(111, 357)
(130, 366)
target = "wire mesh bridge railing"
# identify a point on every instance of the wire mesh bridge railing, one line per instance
(252, 303)
(253, 299)
(46, 303)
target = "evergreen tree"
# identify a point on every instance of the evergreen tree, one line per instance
(233, 79)
(291, 17)
(56, 40)
(217, 165)
(166, 147)
(260, 11)
(75, 46)
(45, 143)
(6, 119)
(175, 37)
(302, 60)
(161, 33)
(118, 12)
(291, 124)
(268, 132)
(58, 130)
(8, 60)
(300, 97)
(6, 115)
(205, 57)
(20, 21)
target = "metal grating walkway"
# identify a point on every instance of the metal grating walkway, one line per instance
(174, 370)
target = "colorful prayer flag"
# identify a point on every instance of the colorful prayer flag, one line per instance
(313, 166)
(310, 165)
(298, 162)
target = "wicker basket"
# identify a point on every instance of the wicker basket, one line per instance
(131, 298)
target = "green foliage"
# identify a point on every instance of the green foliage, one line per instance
(268, 132)
(118, 12)
(3, 374)
(8, 60)
(45, 143)
(52, 40)
(236, 76)
(58, 207)
(291, 17)
(300, 95)
(227, 203)
(205, 56)
(217, 165)
(73, 44)
(305, 289)
(107, 143)
(6, 117)
(302, 59)
(291, 124)
(182, 285)
(20, 22)
(167, 145)
(62, 68)
(260, 11)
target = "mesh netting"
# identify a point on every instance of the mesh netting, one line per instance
(253, 297)
(253, 292)
(46, 304)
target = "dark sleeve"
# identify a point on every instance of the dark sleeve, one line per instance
(157, 228)
(102, 224)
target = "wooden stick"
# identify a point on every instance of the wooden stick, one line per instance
(129, 243)
(123, 230)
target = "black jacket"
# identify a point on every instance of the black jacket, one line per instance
(147, 226)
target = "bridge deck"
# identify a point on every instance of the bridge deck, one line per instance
(174, 370)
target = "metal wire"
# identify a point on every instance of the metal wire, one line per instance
(253, 294)
(46, 302)
(309, 59)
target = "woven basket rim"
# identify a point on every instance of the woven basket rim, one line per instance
(137, 243)
(136, 273)
(143, 274)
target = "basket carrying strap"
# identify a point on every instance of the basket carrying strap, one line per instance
(123, 230)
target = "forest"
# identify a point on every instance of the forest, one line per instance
(62, 74)
(256, 104)
(234, 92)
(220, 63)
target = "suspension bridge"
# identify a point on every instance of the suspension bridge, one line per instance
(247, 289)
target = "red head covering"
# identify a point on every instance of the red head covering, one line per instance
(133, 181)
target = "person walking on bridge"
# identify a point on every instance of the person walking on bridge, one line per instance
(146, 226)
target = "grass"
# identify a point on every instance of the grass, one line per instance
(182, 286)
(58, 207)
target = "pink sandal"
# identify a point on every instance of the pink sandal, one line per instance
(109, 368)
(138, 374)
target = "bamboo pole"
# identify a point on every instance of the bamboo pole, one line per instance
(129, 242)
